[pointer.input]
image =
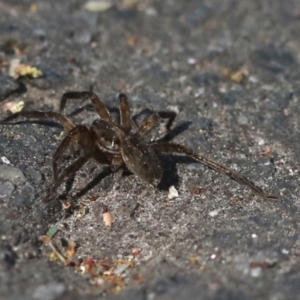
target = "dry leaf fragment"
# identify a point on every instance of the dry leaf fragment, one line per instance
(197, 191)
(13, 106)
(51, 243)
(138, 278)
(136, 251)
(87, 266)
(266, 152)
(33, 8)
(132, 41)
(83, 211)
(17, 70)
(130, 4)
(108, 219)
(98, 6)
(71, 249)
(193, 260)
(66, 204)
(235, 77)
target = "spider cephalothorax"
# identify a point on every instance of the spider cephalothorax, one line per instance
(120, 145)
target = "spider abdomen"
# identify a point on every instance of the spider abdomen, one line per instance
(141, 160)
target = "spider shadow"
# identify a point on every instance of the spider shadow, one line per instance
(170, 173)
(37, 122)
(177, 130)
(107, 171)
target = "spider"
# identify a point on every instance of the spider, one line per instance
(119, 146)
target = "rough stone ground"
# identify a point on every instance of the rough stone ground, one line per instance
(216, 240)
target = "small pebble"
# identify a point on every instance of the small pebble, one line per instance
(173, 193)
(285, 251)
(151, 296)
(191, 60)
(5, 160)
(25, 196)
(214, 213)
(256, 272)
(150, 11)
(242, 120)
(6, 189)
(83, 37)
(213, 256)
(49, 291)
(12, 174)
(34, 175)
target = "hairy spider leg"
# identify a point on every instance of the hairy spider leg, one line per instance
(83, 137)
(175, 148)
(153, 120)
(79, 135)
(89, 140)
(96, 101)
(47, 115)
(125, 119)
(127, 123)
(69, 171)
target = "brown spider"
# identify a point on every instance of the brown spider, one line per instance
(119, 145)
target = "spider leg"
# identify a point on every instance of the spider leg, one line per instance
(154, 119)
(96, 101)
(48, 115)
(175, 148)
(125, 120)
(70, 170)
(78, 135)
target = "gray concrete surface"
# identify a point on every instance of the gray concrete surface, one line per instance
(216, 240)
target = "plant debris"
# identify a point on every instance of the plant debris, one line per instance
(98, 6)
(236, 77)
(110, 274)
(17, 70)
(52, 232)
(108, 219)
(13, 106)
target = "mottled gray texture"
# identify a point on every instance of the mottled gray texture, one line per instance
(162, 54)
(11, 174)
(8, 86)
